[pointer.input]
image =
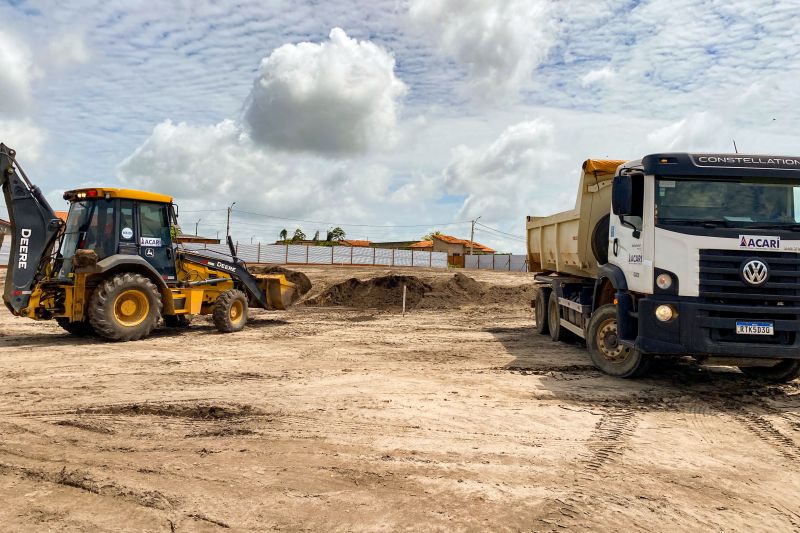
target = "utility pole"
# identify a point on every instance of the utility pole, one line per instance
(228, 230)
(196, 225)
(251, 239)
(472, 236)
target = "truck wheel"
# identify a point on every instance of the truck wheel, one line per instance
(230, 311)
(784, 372)
(540, 311)
(125, 307)
(79, 329)
(604, 347)
(557, 332)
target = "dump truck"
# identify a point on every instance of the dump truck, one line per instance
(113, 268)
(676, 255)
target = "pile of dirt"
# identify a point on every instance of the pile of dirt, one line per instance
(449, 293)
(376, 293)
(298, 278)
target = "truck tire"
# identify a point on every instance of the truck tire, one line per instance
(540, 311)
(607, 354)
(784, 372)
(79, 329)
(600, 240)
(125, 307)
(230, 311)
(557, 332)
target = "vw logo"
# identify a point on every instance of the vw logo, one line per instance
(755, 272)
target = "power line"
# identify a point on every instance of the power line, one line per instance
(503, 236)
(327, 223)
(499, 231)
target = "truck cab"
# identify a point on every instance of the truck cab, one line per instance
(697, 255)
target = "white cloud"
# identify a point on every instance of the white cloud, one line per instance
(17, 73)
(500, 43)
(339, 97)
(508, 179)
(23, 136)
(696, 132)
(597, 76)
(67, 49)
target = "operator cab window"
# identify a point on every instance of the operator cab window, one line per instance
(154, 222)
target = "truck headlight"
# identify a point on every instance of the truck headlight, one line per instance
(664, 281)
(665, 313)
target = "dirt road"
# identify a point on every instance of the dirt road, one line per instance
(334, 419)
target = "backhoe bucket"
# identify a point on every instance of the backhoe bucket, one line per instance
(280, 292)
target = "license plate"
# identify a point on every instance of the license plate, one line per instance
(754, 328)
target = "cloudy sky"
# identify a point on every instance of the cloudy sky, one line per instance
(388, 117)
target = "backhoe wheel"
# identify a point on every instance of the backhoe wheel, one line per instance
(784, 372)
(557, 331)
(540, 311)
(79, 329)
(605, 350)
(230, 311)
(125, 307)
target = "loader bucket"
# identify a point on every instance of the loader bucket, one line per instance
(280, 292)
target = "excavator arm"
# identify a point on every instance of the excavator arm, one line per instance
(35, 229)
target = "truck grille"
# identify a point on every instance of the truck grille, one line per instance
(721, 278)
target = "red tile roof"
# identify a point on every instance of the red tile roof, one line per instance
(449, 239)
(356, 243)
(62, 215)
(422, 244)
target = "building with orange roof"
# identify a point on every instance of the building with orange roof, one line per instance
(354, 243)
(453, 246)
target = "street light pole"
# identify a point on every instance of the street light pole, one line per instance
(196, 225)
(472, 236)
(228, 230)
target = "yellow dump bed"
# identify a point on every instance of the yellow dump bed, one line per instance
(562, 242)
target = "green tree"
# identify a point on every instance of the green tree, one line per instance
(316, 236)
(284, 234)
(298, 235)
(336, 234)
(429, 236)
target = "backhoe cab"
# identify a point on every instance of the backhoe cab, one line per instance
(114, 269)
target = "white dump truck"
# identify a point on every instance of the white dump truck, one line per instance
(676, 254)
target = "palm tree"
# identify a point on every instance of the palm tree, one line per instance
(284, 234)
(336, 234)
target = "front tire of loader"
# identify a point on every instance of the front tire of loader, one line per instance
(230, 311)
(605, 350)
(784, 372)
(125, 307)
(79, 329)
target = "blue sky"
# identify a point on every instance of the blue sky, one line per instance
(412, 113)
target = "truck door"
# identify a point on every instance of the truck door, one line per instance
(155, 239)
(626, 246)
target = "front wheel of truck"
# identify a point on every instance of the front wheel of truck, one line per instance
(784, 372)
(605, 349)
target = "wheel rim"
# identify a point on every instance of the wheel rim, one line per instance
(237, 311)
(131, 308)
(608, 342)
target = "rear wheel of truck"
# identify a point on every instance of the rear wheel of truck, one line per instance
(540, 310)
(230, 311)
(125, 307)
(605, 350)
(79, 329)
(784, 372)
(557, 332)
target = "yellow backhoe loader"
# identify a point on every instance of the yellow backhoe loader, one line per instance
(113, 269)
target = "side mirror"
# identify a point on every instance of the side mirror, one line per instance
(622, 195)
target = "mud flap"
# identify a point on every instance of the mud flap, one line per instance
(627, 322)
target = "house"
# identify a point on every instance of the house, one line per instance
(452, 246)
(354, 243)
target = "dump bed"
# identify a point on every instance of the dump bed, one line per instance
(562, 242)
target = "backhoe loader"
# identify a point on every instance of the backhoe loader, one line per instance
(113, 269)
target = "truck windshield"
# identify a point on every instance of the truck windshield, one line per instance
(734, 202)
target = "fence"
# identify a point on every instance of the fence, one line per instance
(328, 255)
(510, 263)
(4, 251)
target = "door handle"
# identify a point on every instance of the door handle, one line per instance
(615, 248)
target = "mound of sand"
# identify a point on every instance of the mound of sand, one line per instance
(450, 293)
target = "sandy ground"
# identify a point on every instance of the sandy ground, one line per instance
(329, 419)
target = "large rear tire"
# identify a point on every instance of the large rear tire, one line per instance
(125, 307)
(540, 311)
(605, 350)
(230, 311)
(784, 372)
(79, 329)
(557, 332)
